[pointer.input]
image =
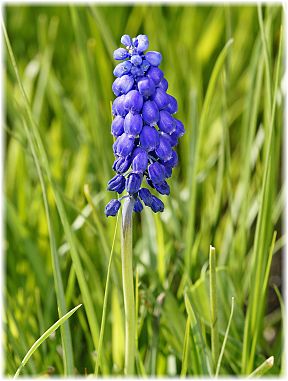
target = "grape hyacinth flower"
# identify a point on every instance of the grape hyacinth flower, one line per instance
(144, 126)
(146, 133)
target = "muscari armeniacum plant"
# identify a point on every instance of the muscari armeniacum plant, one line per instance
(146, 133)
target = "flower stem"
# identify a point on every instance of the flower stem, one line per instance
(128, 288)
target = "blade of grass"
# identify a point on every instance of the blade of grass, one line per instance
(221, 157)
(59, 290)
(44, 337)
(91, 89)
(252, 321)
(198, 338)
(283, 314)
(263, 368)
(213, 307)
(104, 311)
(160, 250)
(99, 226)
(266, 57)
(239, 205)
(225, 339)
(203, 120)
(185, 349)
(18, 344)
(136, 307)
(101, 233)
(128, 287)
(36, 139)
(46, 61)
(264, 290)
(139, 363)
(103, 27)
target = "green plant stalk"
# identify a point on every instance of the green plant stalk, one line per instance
(128, 288)
(213, 308)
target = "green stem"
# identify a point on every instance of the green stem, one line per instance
(128, 288)
(213, 308)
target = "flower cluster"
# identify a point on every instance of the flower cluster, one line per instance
(143, 126)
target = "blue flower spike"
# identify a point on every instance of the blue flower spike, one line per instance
(144, 127)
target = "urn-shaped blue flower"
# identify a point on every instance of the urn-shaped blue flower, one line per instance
(144, 127)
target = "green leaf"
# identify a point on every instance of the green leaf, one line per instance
(43, 337)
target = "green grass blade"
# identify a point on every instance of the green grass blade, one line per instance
(213, 307)
(203, 119)
(139, 363)
(103, 320)
(59, 289)
(260, 259)
(35, 137)
(105, 31)
(283, 313)
(42, 338)
(160, 250)
(45, 69)
(198, 338)
(185, 349)
(91, 89)
(263, 368)
(65, 330)
(225, 339)
(267, 59)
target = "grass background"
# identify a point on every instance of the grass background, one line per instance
(226, 191)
